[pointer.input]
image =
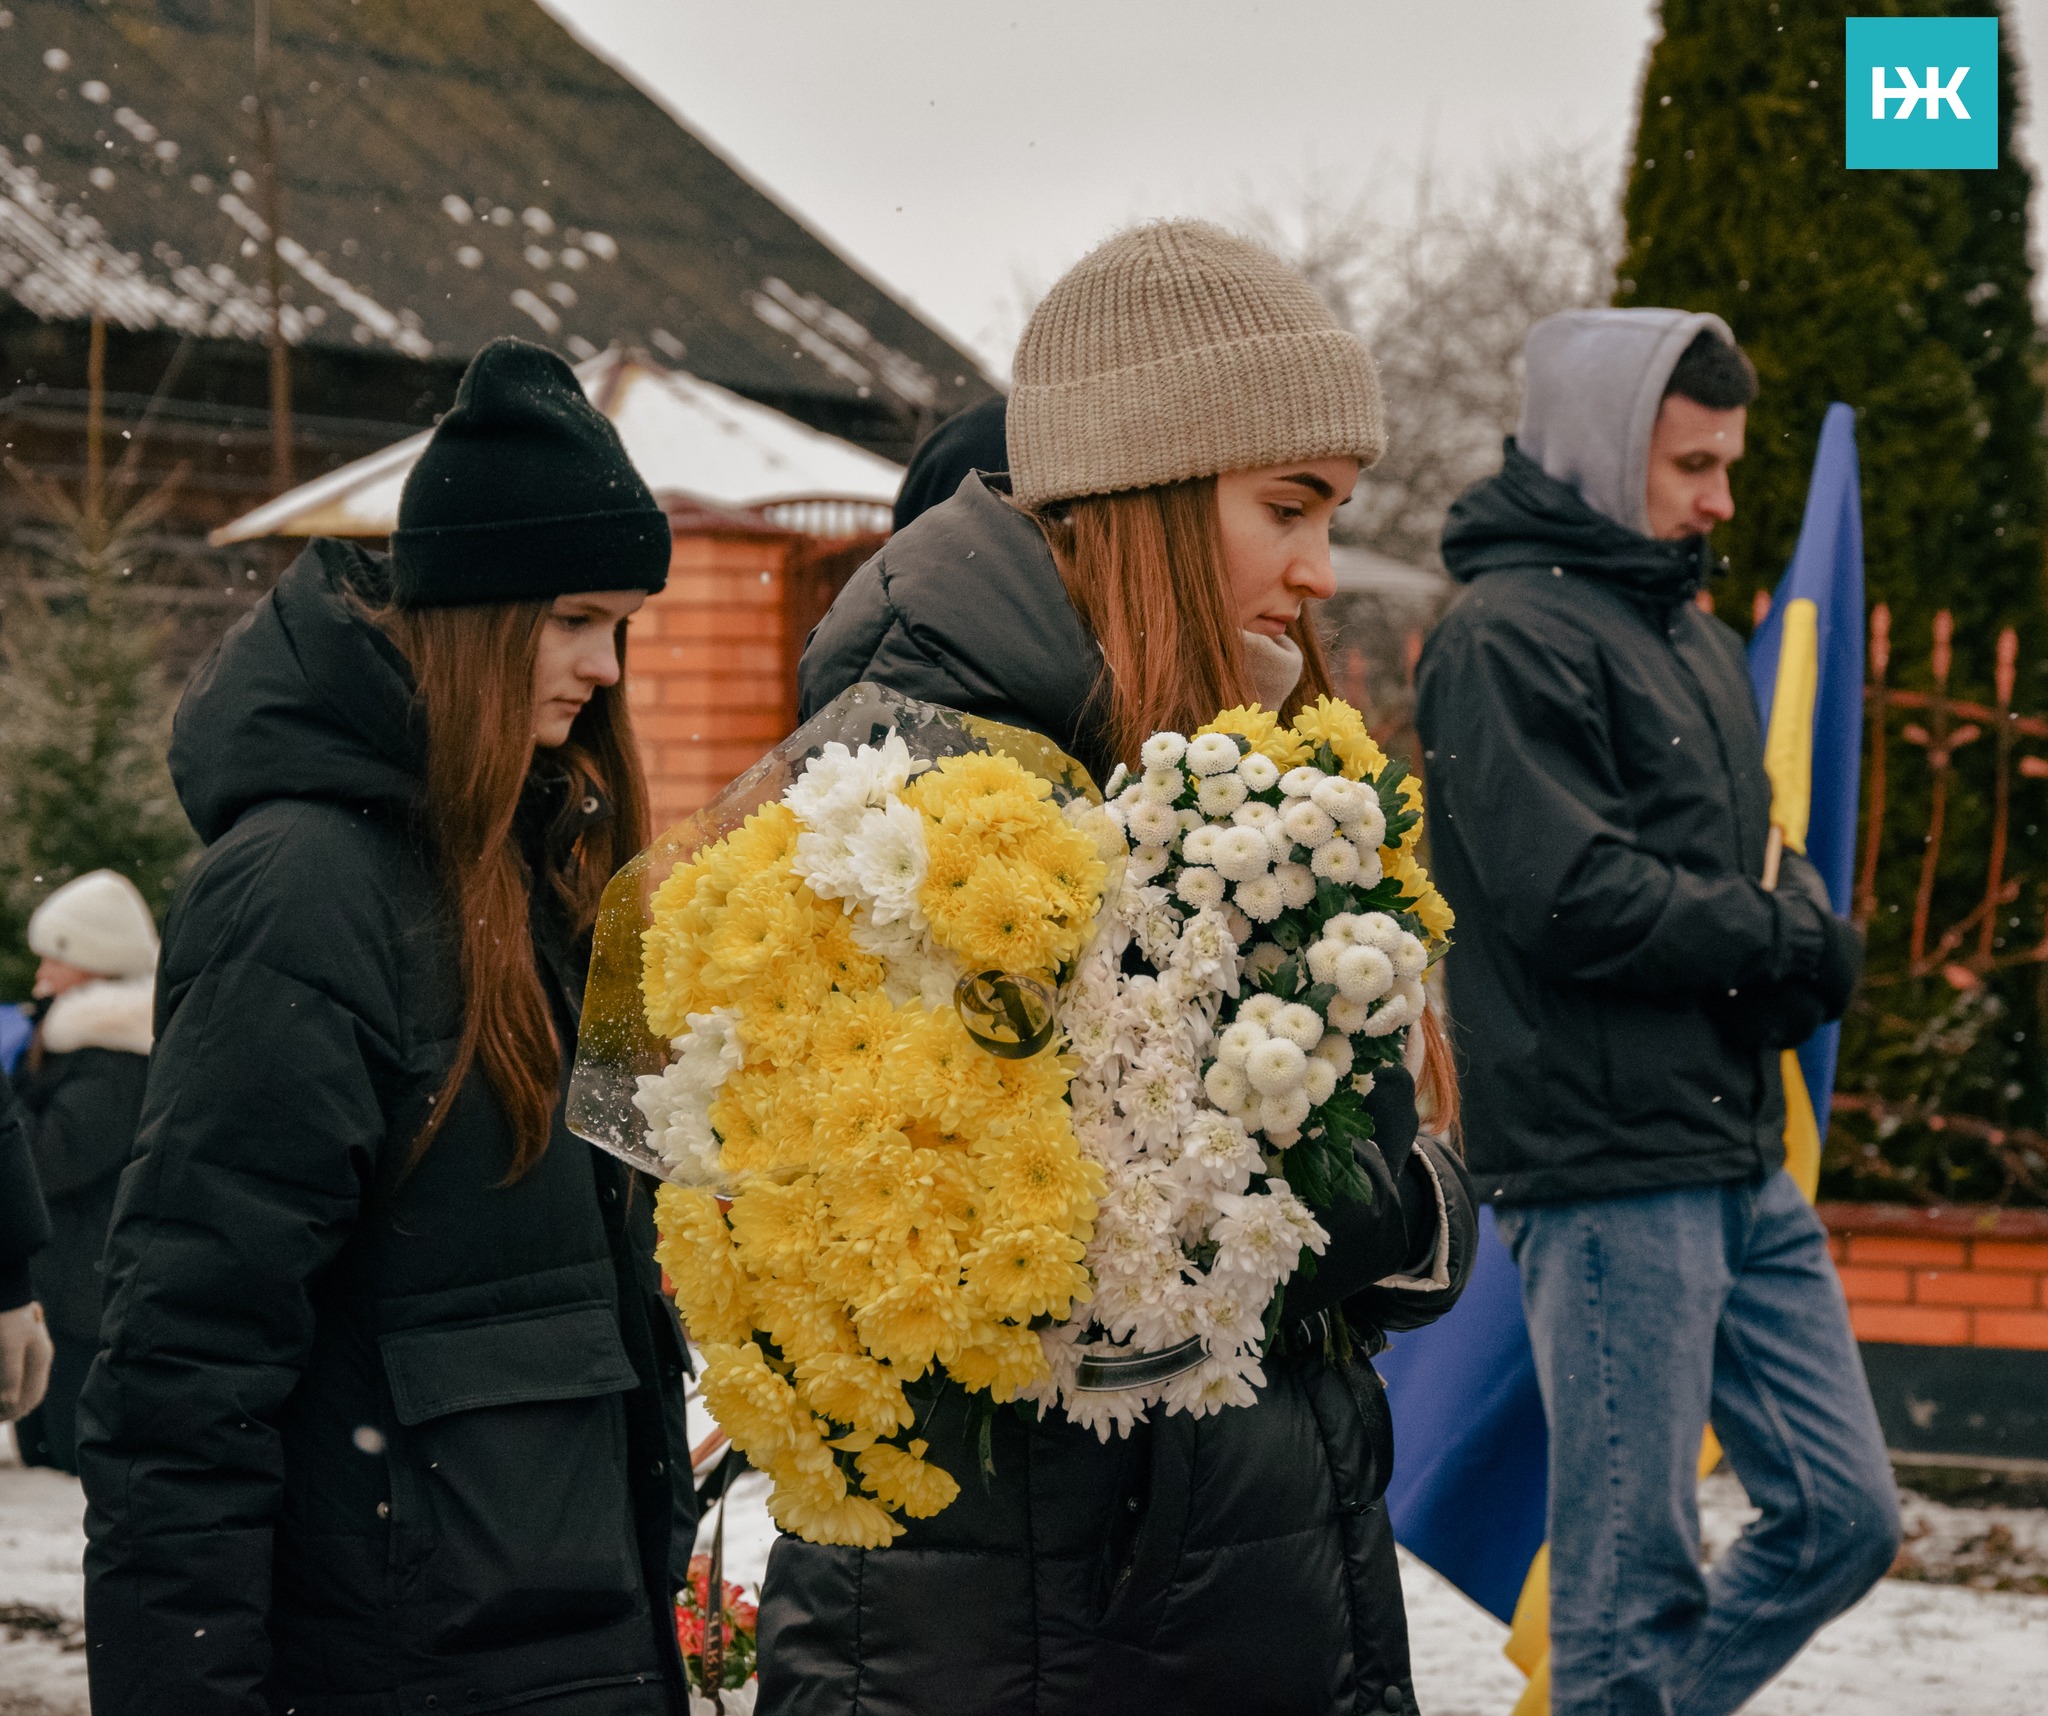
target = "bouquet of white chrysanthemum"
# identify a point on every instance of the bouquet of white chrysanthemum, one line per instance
(1274, 901)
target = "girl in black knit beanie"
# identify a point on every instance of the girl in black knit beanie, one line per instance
(388, 1413)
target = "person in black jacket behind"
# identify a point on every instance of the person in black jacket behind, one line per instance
(25, 1350)
(1186, 422)
(388, 1414)
(81, 1089)
(1624, 984)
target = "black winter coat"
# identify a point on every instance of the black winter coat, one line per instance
(1597, 817)
(361, 1440)
(24, 1224)
(82, 1105)
(1240, 1562)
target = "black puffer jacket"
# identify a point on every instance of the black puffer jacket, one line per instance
(81, 1089)
(1240, 1562)
(1597, 817)
(24, 1224)
(361, 1441)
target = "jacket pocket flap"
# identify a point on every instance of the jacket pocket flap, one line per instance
(566, 1354)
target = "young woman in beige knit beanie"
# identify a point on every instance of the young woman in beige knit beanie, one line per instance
(1186, 420)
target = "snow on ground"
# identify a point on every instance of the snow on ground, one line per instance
(1909, 1647)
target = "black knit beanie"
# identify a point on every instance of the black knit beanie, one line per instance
(524, 493)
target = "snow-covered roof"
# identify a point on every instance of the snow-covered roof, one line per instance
(448, 173)
(686, 437)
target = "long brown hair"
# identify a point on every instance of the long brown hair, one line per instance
(473, 668)
(1145, 571)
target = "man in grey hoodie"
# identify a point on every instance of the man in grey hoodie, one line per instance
(1623, 985)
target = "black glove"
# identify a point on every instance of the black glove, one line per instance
(1391, 1104)
(1841, 966)
(1768, 1015)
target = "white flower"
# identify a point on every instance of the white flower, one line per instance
(1265, 959)
(1241, 927)
(1255, 814)
(1258, 772)
(1347, 1015)
(836, 787)
(1238, 1040)
(1336, 860)
(1403, 1007)
(1302, 1026)
(1162, 750)
(1206, 952)
(1343, 799)
(1166, 785)
(1363, 1083)
(677, 1101)
(1336, 1049)
(1297, 884)
(1199, 886)
(1322, 958)
(1306, 822)
(1151, 823)
(1261, 899)
(1320, 1081)
(1209, 1387)
(1410, 957)
(1148, 861)
(1275, 1067)
(1363, 973)
(1376, 929)
(1118, 776)
(1227, 1086)
(1299, 783)
(886, 854)
(1218, 1150)
(1198, 845)
(1155, 1098)
(1367, 830)
(1261, 1008)
(1219, 795)
(1211, 754)
(1240, 853)
(1282, 1114)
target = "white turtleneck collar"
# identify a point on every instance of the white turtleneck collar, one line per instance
(1275, 665)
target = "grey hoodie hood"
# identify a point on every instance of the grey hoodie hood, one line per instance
(1595, 381)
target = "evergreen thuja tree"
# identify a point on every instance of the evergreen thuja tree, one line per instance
(1907, 294)
(84, 721)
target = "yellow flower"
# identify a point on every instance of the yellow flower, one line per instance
(1026, 1272)
(854, 1390)
(776, 1228)
(1037, 1176)
(812, 1512)
(765, 841)
(933, 1069)
(753, 1405)
(1342, 728)
(1262, 730)
(801, 1321)
(760, 927)
(999, 1359)
(695, 1249)
(1410, 793)
(763, 1116)
(996, 919)
(907, 1483)
(914, 1322)
(1428, 905)
(851, 1038)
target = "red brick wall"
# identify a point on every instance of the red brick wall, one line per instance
(707, 667)
(1944, 1277)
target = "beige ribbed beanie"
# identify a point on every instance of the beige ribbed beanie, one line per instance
(1179, 350)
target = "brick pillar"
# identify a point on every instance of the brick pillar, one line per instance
(707, 666)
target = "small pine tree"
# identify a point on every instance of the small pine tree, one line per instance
(84, 719)
(1908, 295)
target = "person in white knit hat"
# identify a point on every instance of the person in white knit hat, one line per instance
(81, 1094)
(1187, 419)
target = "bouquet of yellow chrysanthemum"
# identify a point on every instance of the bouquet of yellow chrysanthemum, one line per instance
(854, 959)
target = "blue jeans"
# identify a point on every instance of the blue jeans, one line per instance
(1650, 1316)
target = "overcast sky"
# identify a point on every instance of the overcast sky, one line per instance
(963, 151)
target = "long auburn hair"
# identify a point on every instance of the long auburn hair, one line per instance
(1145, 571)
(473, 669)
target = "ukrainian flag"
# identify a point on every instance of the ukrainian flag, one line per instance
(1470, 1484)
